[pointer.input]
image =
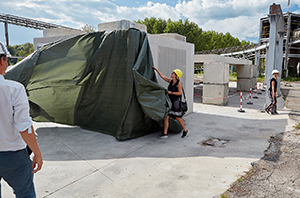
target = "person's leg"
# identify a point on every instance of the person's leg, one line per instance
(270, 106)
(275, 106)
(165, 132)
(181, 122)
(185, 131)
(166, 125)
(19, 175)
(0, 186)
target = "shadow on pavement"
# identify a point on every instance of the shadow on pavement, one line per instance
(247, 139)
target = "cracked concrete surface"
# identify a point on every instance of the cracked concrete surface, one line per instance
(277, 174)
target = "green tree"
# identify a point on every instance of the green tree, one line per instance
(20, 50)
(88, 28)
(203, 40)
(154, 26)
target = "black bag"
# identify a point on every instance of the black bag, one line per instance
(183, 104)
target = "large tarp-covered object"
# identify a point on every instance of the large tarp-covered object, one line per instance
(102, 81)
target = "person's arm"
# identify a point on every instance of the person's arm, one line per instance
(30, 140)
(161, 75)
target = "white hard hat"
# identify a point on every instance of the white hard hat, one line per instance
(275, 71)
(3, 50)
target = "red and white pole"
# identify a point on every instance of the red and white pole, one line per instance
(241, 103)
(255, 92)
(264, 85)
(250, 102)
(259, 88)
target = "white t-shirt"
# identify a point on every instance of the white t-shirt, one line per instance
(14, 115)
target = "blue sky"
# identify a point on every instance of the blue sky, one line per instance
(238, 17)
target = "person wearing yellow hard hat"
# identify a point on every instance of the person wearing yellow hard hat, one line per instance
(273, 93)
(174, 92)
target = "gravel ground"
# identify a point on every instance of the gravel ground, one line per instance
(277, 174)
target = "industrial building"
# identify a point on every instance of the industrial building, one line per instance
(291, 42)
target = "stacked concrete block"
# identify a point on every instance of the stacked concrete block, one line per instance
(174, 36)
(61, 32)
(244, 77)
(121, 25)
(216, 83)
(254, 78)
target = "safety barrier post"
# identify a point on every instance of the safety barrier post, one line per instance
(241, 103)
(255, 92)
(259, 88)
(250, 102)
(263, 85)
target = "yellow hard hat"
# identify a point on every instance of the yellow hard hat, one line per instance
(178, 72)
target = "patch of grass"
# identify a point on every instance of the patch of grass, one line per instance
(241, 179)
(200, 74)
(287, 101)
(230, 190)
(260, 79)
(297, 126)
(290, 79)
(224, 196)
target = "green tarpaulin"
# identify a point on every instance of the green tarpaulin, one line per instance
(102, 81)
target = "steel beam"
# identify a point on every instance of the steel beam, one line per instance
(287, 45)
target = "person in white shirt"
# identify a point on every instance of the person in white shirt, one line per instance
(16, 132)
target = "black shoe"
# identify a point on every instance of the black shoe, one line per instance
(267, 110)
(275, 112)
(162, 136)
(185, 134)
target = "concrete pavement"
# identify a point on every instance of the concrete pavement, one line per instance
(81, 163)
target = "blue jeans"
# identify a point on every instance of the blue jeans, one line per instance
(16, 170)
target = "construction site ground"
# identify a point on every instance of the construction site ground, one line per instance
(277, 174)
(80, 164)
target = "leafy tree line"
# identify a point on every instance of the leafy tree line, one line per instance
(20, 50)
(203, 40)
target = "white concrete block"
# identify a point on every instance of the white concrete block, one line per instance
(201, 58)
(216, 72)
(245, 71)
(215, 94)
(254, 78)
(121, 25)
(244, 84)
(61, 32)
(174, 36)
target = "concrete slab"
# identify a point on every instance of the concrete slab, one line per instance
(81, 163)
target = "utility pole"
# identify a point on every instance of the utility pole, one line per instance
(275, 52)
(6, 33)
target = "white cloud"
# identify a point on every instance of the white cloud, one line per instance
(240, 27)
(238, 17)
(150, 10)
